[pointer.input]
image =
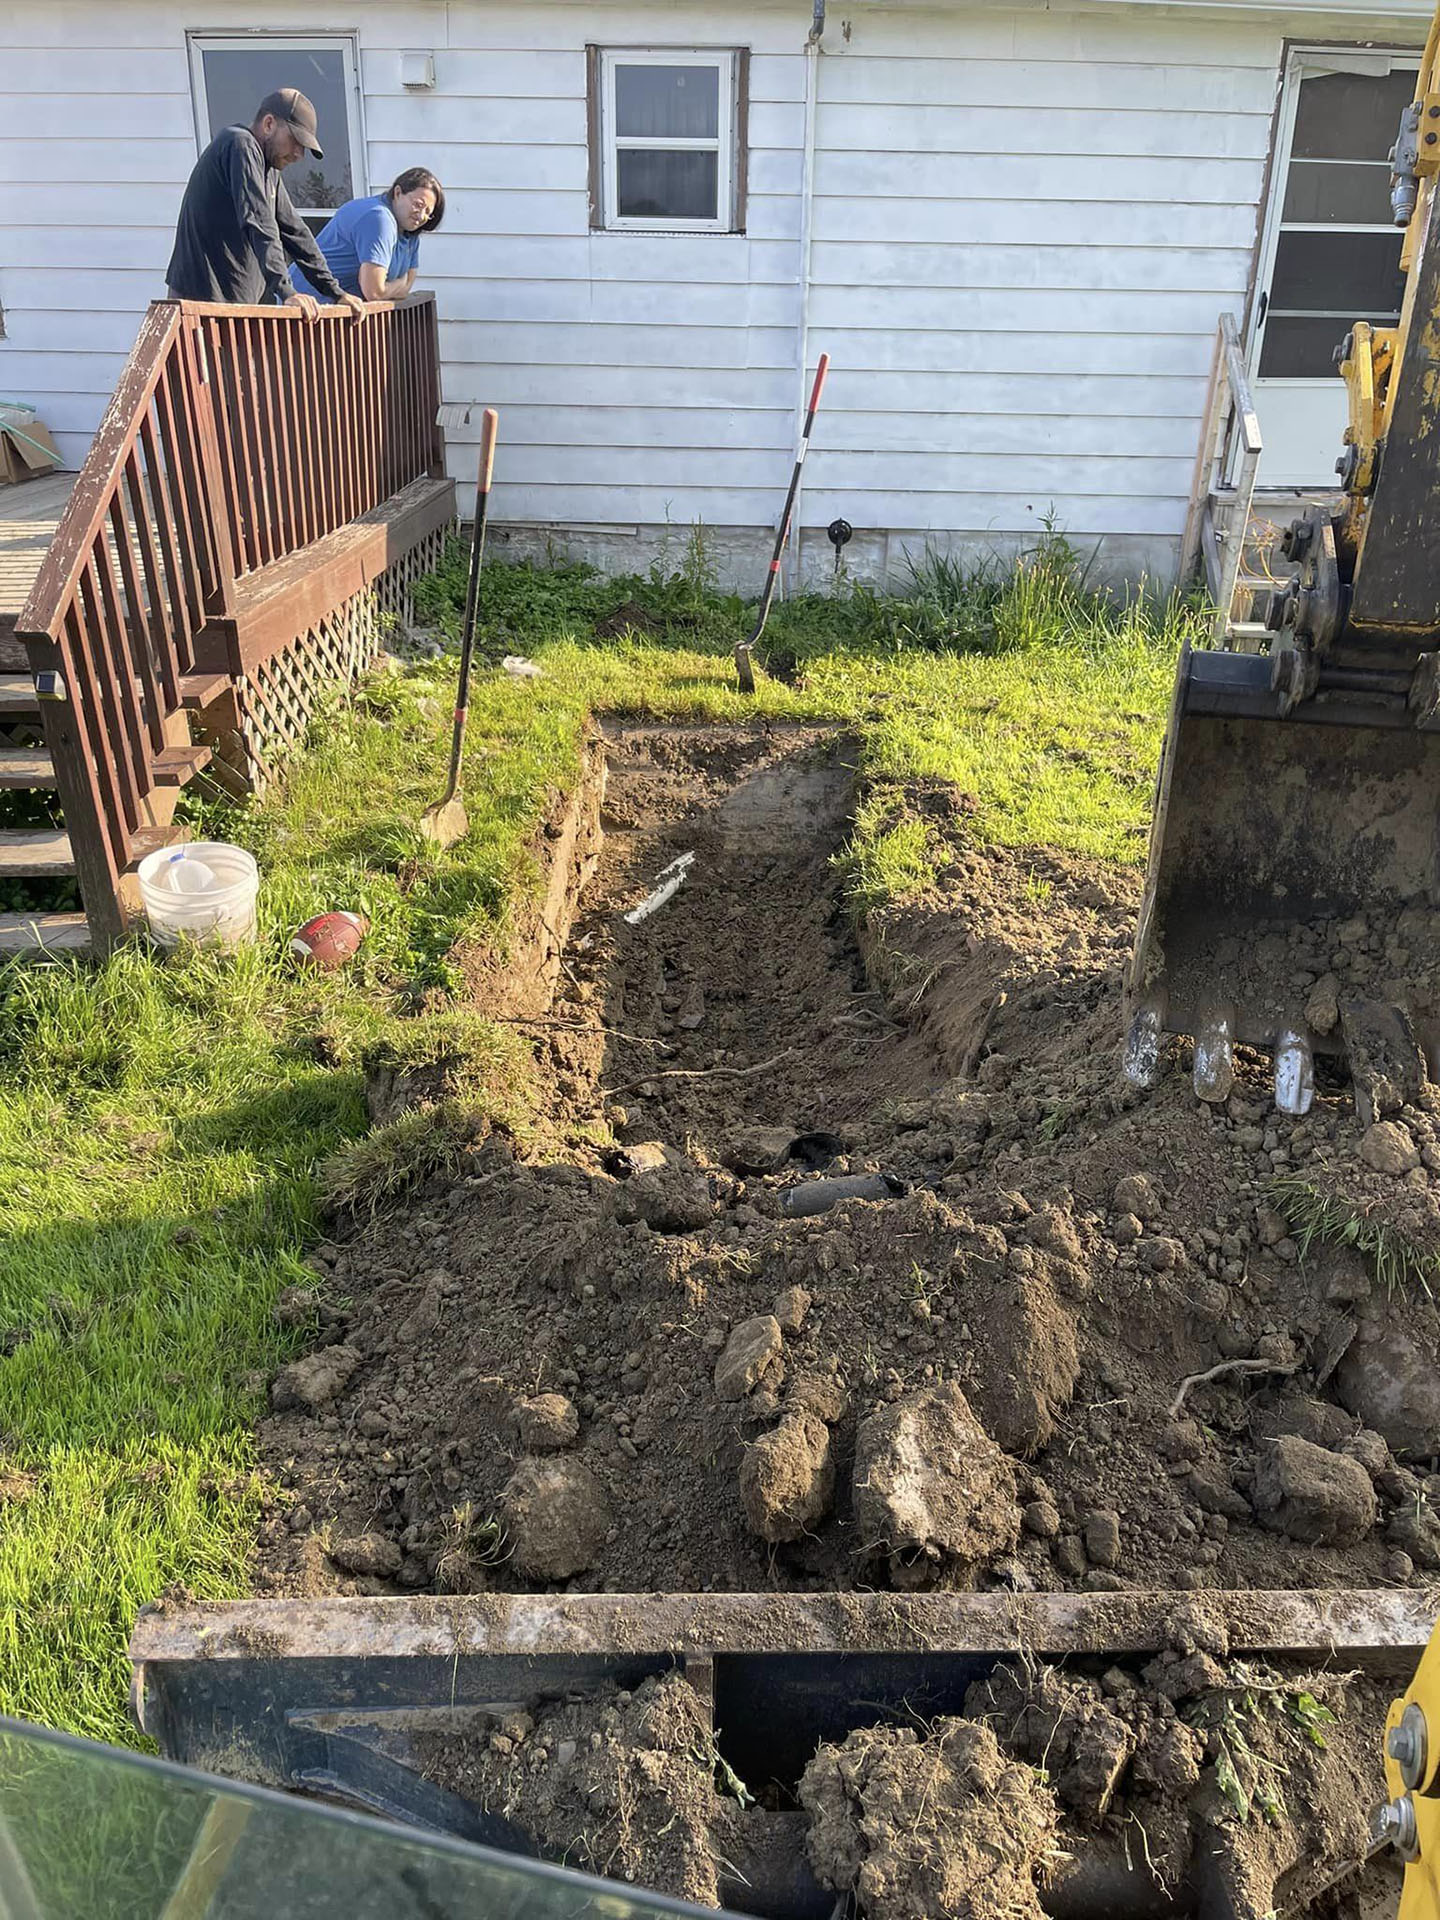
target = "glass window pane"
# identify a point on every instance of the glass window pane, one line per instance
(667, 186)
(667, 103)
(238, 79)
(1350, 116)
(87, 1833)
(1297, 347)
(1338, 273)
(1358, 194)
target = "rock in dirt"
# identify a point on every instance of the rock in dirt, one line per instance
(1415, 1532)
(792, 1304)
(1389, 1147)
(372, 1553)
(1102, 1538)
(933, 1492)
(308, 1384)
(546, 1423)
(1390, 1379)
(556, 1517)
(922, 1828)
(1322, 1009)
(1041, 1520)
(1312, 1494)
(672, 1197)
(757, 1149)
(752, 1353)
(1136, 1194)
(787, 1478)
(1061, 1724)
(819, 1393)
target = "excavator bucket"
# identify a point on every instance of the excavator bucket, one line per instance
(1293, 886)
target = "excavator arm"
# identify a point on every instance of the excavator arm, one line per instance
(1299, 790)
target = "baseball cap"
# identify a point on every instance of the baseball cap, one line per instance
(291, 106)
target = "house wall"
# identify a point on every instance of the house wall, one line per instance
(1024, 226)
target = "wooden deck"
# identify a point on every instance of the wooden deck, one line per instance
(29, 514)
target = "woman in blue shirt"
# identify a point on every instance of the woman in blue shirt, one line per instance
(372, 246)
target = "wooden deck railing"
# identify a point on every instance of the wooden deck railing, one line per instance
(237, 438)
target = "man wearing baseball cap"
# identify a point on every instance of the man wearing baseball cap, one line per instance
(238, 231)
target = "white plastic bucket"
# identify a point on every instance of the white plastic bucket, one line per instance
(204, 892)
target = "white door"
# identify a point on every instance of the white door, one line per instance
(1330, 254)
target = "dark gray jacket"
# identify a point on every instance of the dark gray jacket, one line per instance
(238, 232)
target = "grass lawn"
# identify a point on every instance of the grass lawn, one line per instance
(161, 1125)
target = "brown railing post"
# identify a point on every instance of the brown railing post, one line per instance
(430, 390)
(221, 524)
(96, 869)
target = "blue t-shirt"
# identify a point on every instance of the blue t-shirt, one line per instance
(363, 230)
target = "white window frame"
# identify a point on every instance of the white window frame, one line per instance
(1379, 60)
(199, 44)
(723, 60)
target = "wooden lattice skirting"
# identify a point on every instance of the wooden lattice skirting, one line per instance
(276, 702)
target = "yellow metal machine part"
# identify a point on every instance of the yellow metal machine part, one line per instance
(1411, 1820)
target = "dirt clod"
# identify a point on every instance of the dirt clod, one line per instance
(1389, 1377)
(315, 1381)
(556, 1517)
(787, 1478)
(546, 1422)
(1313, 1494)
(367, 1553)
(934, 1496)
(1389, 1148)
(917, 1828)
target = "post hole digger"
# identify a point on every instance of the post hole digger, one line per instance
(744, 662)
(446, 821)
(1292, 899)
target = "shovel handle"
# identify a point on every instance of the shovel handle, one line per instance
(489, 432)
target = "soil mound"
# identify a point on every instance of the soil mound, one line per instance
(1177, 1395)
(852, 1264)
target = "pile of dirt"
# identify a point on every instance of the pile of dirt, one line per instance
(1247, 1783)
(1050, 1270)
(1065, 1336)
(620, 1784)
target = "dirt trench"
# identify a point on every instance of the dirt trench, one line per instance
(1064, 1337)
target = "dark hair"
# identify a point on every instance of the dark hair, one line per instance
(411, 181)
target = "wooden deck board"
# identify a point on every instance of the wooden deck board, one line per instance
(47, 932)
(36, 850)
(29, 514)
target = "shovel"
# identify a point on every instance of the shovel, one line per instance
(743, 652)
(446, 821)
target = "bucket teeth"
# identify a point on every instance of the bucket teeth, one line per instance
(1215, 1056)
(1294, 1073)
(1140, 1062)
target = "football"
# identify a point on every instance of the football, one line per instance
(330, 940)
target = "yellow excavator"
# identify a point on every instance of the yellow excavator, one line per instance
(1410, 1819)
(1298, 800)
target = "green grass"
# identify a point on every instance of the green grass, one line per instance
(167, 1131)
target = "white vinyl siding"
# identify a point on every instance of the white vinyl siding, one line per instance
(1025, 224)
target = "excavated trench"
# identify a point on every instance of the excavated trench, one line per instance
(1063, 1342)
